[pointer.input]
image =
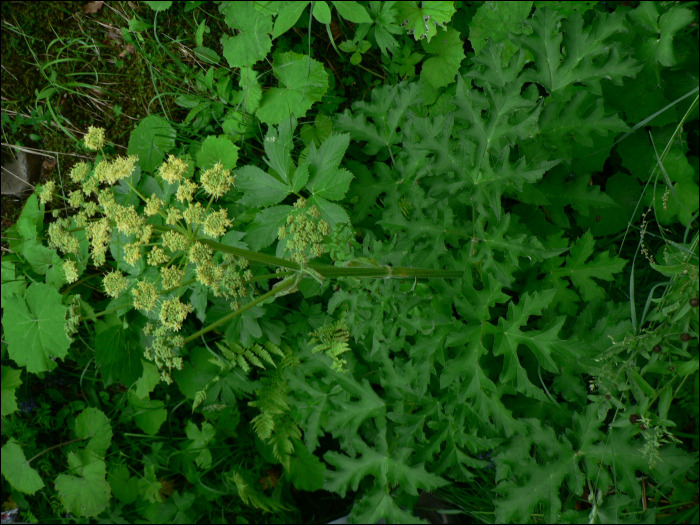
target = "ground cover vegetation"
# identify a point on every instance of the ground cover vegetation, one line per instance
(302, 259)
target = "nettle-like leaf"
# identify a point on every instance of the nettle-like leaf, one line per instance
(389, 468)
(422, 22)
(387, 109)
(304, 82)
(658, 49)
(252, 42)
(582, 272)
(35, 328)
(576, 118)
(494, 21)
(589, 58)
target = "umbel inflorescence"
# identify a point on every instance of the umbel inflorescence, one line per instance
(151, 234)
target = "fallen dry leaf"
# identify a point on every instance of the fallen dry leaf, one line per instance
(92, 7)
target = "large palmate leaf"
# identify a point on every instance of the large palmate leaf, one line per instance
(35, 328)
(252, 42)
(303, 81)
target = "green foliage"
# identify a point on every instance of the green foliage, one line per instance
(326, 274)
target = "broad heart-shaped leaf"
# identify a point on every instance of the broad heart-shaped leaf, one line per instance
(92, 424)
(325, 179)
(389, 468)
(17, 470)
(581, 272)
(118, 352)
(259, 188)
(422, 22)
(10, 383)
(303, 81)
(251, 90)
(34, 328)
(151, 140)
(85, 491)
(588, 59)
(252, 42)
(217, 150)
(31, 218)
(448, 48)
(288, 16)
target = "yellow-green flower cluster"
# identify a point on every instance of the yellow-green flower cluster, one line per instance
(161, 351)
(153, 204)
(173, 313)
(132, 253)
(194, 213)
(79, 172)
(186, 190)
(128, 220)
(199, 253)
(172, 170)
(115, 283)
(119, 168)
(217, 181)
(94, 138)
(209, 274)
(61, 239)
(156, 256)
(216, 223)
(171, 276)
(304, 233)
(174, 241)
(233, 281)
(46, 194)
(70, 270)
(145, 295)
(99, 234)
(75, 199)
(174, 215)
(72, 317)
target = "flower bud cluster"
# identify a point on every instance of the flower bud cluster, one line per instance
(72, 317)
(95, 138)
(60, 238)
(46, 194)
(235, 278)
(304, 232)
(172, 170)
(217, 181)
(161, 351)
(114, 283)
(216, 223)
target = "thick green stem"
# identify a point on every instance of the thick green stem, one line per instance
(387, 272)
(275, 290)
